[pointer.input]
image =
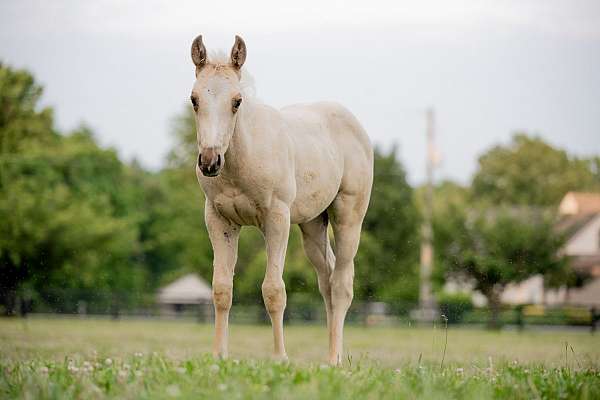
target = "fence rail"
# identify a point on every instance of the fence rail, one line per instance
(300, 309)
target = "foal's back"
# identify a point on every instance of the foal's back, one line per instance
(333, 155)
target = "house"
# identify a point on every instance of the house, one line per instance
(579, 220)
(189, 294)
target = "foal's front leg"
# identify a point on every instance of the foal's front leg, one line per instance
(224, 236)
(276, 229)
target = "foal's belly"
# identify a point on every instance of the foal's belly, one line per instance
(315, 191)
(242, 209)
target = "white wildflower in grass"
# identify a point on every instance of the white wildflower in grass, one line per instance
(236, 362)
(214, 368)
(123, 373)
(87, 367)
(126, 366)
(397, 370)
(323, 366)
(222, 387)
(73, 369)
(44, 370)
(108, 361)
(138, 354)
(460, 370)
(173, 390)
(180, 370)
(138, 373)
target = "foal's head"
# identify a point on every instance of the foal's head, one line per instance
(216, 98)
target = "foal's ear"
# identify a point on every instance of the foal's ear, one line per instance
(238, 53)
(198, 53)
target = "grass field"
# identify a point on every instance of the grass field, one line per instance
(72, 358)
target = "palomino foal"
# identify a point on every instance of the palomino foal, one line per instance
(309, 165)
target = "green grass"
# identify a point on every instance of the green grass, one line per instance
(71, 358)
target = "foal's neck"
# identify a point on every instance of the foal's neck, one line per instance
(240, 144)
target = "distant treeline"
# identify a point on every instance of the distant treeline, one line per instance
(74, 216)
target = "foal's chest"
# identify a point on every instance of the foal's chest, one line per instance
(238, 207)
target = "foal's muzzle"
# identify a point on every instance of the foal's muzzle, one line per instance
(209, 162)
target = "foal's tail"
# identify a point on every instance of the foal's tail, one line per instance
(328, 253)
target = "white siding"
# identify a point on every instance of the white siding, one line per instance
(586, 242)
(568, 205)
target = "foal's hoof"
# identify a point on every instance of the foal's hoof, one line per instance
(335, 361)
(280, 358)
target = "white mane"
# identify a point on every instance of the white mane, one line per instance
(219, 57)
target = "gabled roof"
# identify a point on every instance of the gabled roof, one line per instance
(569, 225)
(579, 203)
(189, 289)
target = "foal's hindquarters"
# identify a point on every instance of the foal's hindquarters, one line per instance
(335, 269)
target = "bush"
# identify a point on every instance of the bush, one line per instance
(454, 305)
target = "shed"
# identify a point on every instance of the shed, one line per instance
(185, 293)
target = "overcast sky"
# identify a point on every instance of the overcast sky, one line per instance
(489, 68)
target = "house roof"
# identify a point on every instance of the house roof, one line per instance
(569, 225)
(580, 203)
(189, 289)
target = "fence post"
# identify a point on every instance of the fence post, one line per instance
(520, 320)
(115, 307)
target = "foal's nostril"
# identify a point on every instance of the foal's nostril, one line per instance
(199, 160)
(218, 164)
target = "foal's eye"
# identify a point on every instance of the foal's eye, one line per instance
(194, 103)
(235, 103)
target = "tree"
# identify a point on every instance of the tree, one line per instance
(529, 171)
(387, 262)
(496, 247)
(66, 219)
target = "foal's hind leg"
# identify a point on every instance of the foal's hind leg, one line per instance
(319, 252)
(348, 211)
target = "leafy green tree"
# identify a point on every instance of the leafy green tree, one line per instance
(529, 171)
(387, 261)
(494, 247)
(21, 121)
(65, 219)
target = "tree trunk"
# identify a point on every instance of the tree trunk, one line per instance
(493, 296)
(8, 298)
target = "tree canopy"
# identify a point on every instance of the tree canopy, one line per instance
(80, 224)
(530, 172)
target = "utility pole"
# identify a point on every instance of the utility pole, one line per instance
(427, 307)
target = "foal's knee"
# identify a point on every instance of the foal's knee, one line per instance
(274, 295)
(222, 295)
